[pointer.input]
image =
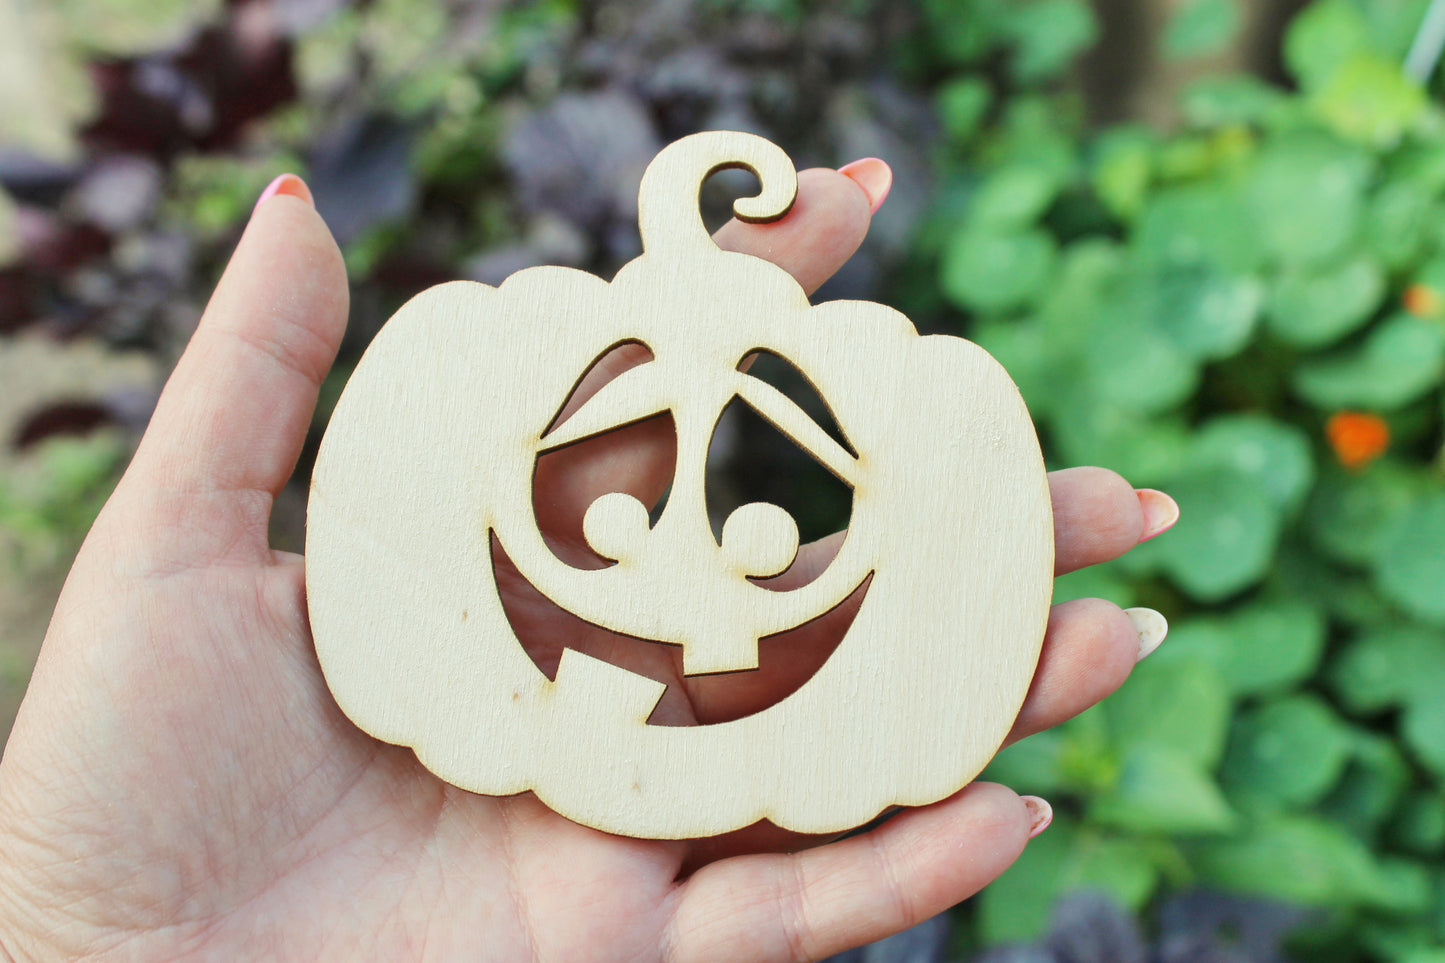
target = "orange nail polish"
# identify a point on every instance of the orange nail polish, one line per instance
(874, 176)
(288, 184)
(1160, 512)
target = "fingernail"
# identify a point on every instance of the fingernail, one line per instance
(1160, 512)
(1040, 814)
(1151, 628)
(874, 176)
(288, 184)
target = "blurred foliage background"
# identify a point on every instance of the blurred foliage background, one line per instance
(1207, 238)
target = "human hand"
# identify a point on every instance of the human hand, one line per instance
(180, 782)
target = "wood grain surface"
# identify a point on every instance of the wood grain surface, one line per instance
(431, 454)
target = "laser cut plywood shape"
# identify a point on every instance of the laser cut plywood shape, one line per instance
(431, 452)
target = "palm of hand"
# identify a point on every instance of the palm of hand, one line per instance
(181, 782)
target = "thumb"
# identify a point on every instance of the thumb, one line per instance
(231, 421)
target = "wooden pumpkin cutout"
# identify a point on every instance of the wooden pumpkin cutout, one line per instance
(430, 455)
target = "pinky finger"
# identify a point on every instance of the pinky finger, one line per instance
(808, 905)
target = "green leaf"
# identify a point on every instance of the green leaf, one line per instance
(1207, 313)
(1048, 35)
(1316, 308)
(1042, 352)
(1122, 171)
(1091, 431)
(1134, 365)
(1162, 790)
(1395, 227)
(1394, 25)
(1272, 644)
(1176, 704)
(1356, 603)
(1420, 825)
(1423, 728)
(1230, 100)
(1307, 194)
(1368, 792)
(1350, 512)
(1323, 36)
(1016, 907)
(1226, 536)
(1287, 753)
(1403, 887)
(962, 104)
(1386, 665)
(1400, 359)
(1202, 28)
(1025, 350)
(1086, 287)
(1088, 758)
(961, 35)
(1205, 639)
(215, 192)
(1030, 765)
(1188, 225)
(1124, 869)
(73, 471)
(1035, 130)
(1302, 571)
(1093, 582)
(985, 271)
(1297, 859)
(1419, 163)
(1206, 161)
(1013, 198)
(1273, 453)
(1370, 100)
(1410, 568)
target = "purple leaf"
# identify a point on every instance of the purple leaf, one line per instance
(361, 175)
(583, 156)
(119, 192)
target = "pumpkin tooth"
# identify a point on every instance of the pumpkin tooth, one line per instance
(603, 691)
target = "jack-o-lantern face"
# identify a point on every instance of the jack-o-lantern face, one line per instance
(431, 453)
(656, 564)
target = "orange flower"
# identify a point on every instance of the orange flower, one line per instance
(1358, 438)
(1421, 300)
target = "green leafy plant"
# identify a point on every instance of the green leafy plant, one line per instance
(1246, 312)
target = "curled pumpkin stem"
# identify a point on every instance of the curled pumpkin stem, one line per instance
(673, 183)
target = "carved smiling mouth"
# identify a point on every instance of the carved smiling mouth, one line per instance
(786, 660)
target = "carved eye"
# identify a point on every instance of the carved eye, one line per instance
(566, 426)
(753, 460)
